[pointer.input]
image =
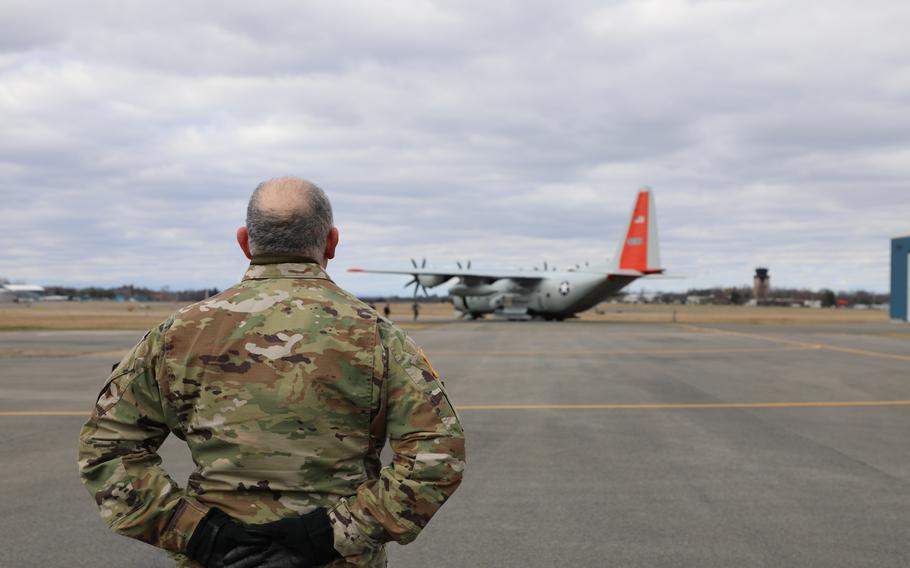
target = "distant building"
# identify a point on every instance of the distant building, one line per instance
(20, 292)
(900, 279)
(640, 298)
(761, 285)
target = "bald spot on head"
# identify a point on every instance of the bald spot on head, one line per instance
(282, 197)
(289, 215)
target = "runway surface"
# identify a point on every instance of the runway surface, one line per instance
(589, 444)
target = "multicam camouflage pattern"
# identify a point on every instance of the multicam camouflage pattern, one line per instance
(285, 389)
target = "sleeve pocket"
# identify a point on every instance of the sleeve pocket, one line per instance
(112, 390)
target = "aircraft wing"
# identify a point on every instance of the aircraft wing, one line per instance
(525, 275)
(443, 275)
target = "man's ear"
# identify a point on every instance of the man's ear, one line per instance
(330, 243)
(243, 239)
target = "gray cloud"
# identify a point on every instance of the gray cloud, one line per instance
(772, 133)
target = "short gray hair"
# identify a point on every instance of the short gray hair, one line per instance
(297, 231)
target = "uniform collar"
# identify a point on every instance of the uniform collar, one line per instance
(275, 266)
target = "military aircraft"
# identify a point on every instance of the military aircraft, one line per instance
(544, 293)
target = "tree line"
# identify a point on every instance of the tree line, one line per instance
(742, 295)
(131, 292)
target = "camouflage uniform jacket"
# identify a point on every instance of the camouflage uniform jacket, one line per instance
(285, 388)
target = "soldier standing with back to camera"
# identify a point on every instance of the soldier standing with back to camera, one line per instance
(285, 388)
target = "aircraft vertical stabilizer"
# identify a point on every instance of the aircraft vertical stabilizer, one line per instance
(640, 250)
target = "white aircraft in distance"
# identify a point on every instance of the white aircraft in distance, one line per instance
(523, 294)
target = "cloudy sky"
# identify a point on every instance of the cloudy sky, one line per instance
(773, 133)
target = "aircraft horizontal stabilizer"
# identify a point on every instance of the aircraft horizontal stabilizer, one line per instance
(664, 276)
(626, 272)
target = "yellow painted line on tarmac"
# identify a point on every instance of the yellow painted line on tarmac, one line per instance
(795, 343)
(684, 406)
(615, 353)
(715, 331)
(45, 413)
(661, 406)
(865, 353)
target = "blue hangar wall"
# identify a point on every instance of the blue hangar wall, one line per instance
(900, 283)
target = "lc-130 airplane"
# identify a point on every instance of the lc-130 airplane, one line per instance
(522, 294)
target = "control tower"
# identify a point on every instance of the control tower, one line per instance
(761, 285)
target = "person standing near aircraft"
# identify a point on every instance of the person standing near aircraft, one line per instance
(415, 307)
(387, 310)
(285, 388)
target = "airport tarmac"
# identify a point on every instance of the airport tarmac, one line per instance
(589, 444)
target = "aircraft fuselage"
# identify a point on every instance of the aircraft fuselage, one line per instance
(560, 296)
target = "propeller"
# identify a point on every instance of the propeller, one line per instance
(460, 267)
(416, 279)
(417, 286)
(458, 262)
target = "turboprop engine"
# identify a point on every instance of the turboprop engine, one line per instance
(465, 290)
(478, 287)
(430, 280)
(424, 281)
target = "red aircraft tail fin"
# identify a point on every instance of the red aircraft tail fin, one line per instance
(640, 250)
